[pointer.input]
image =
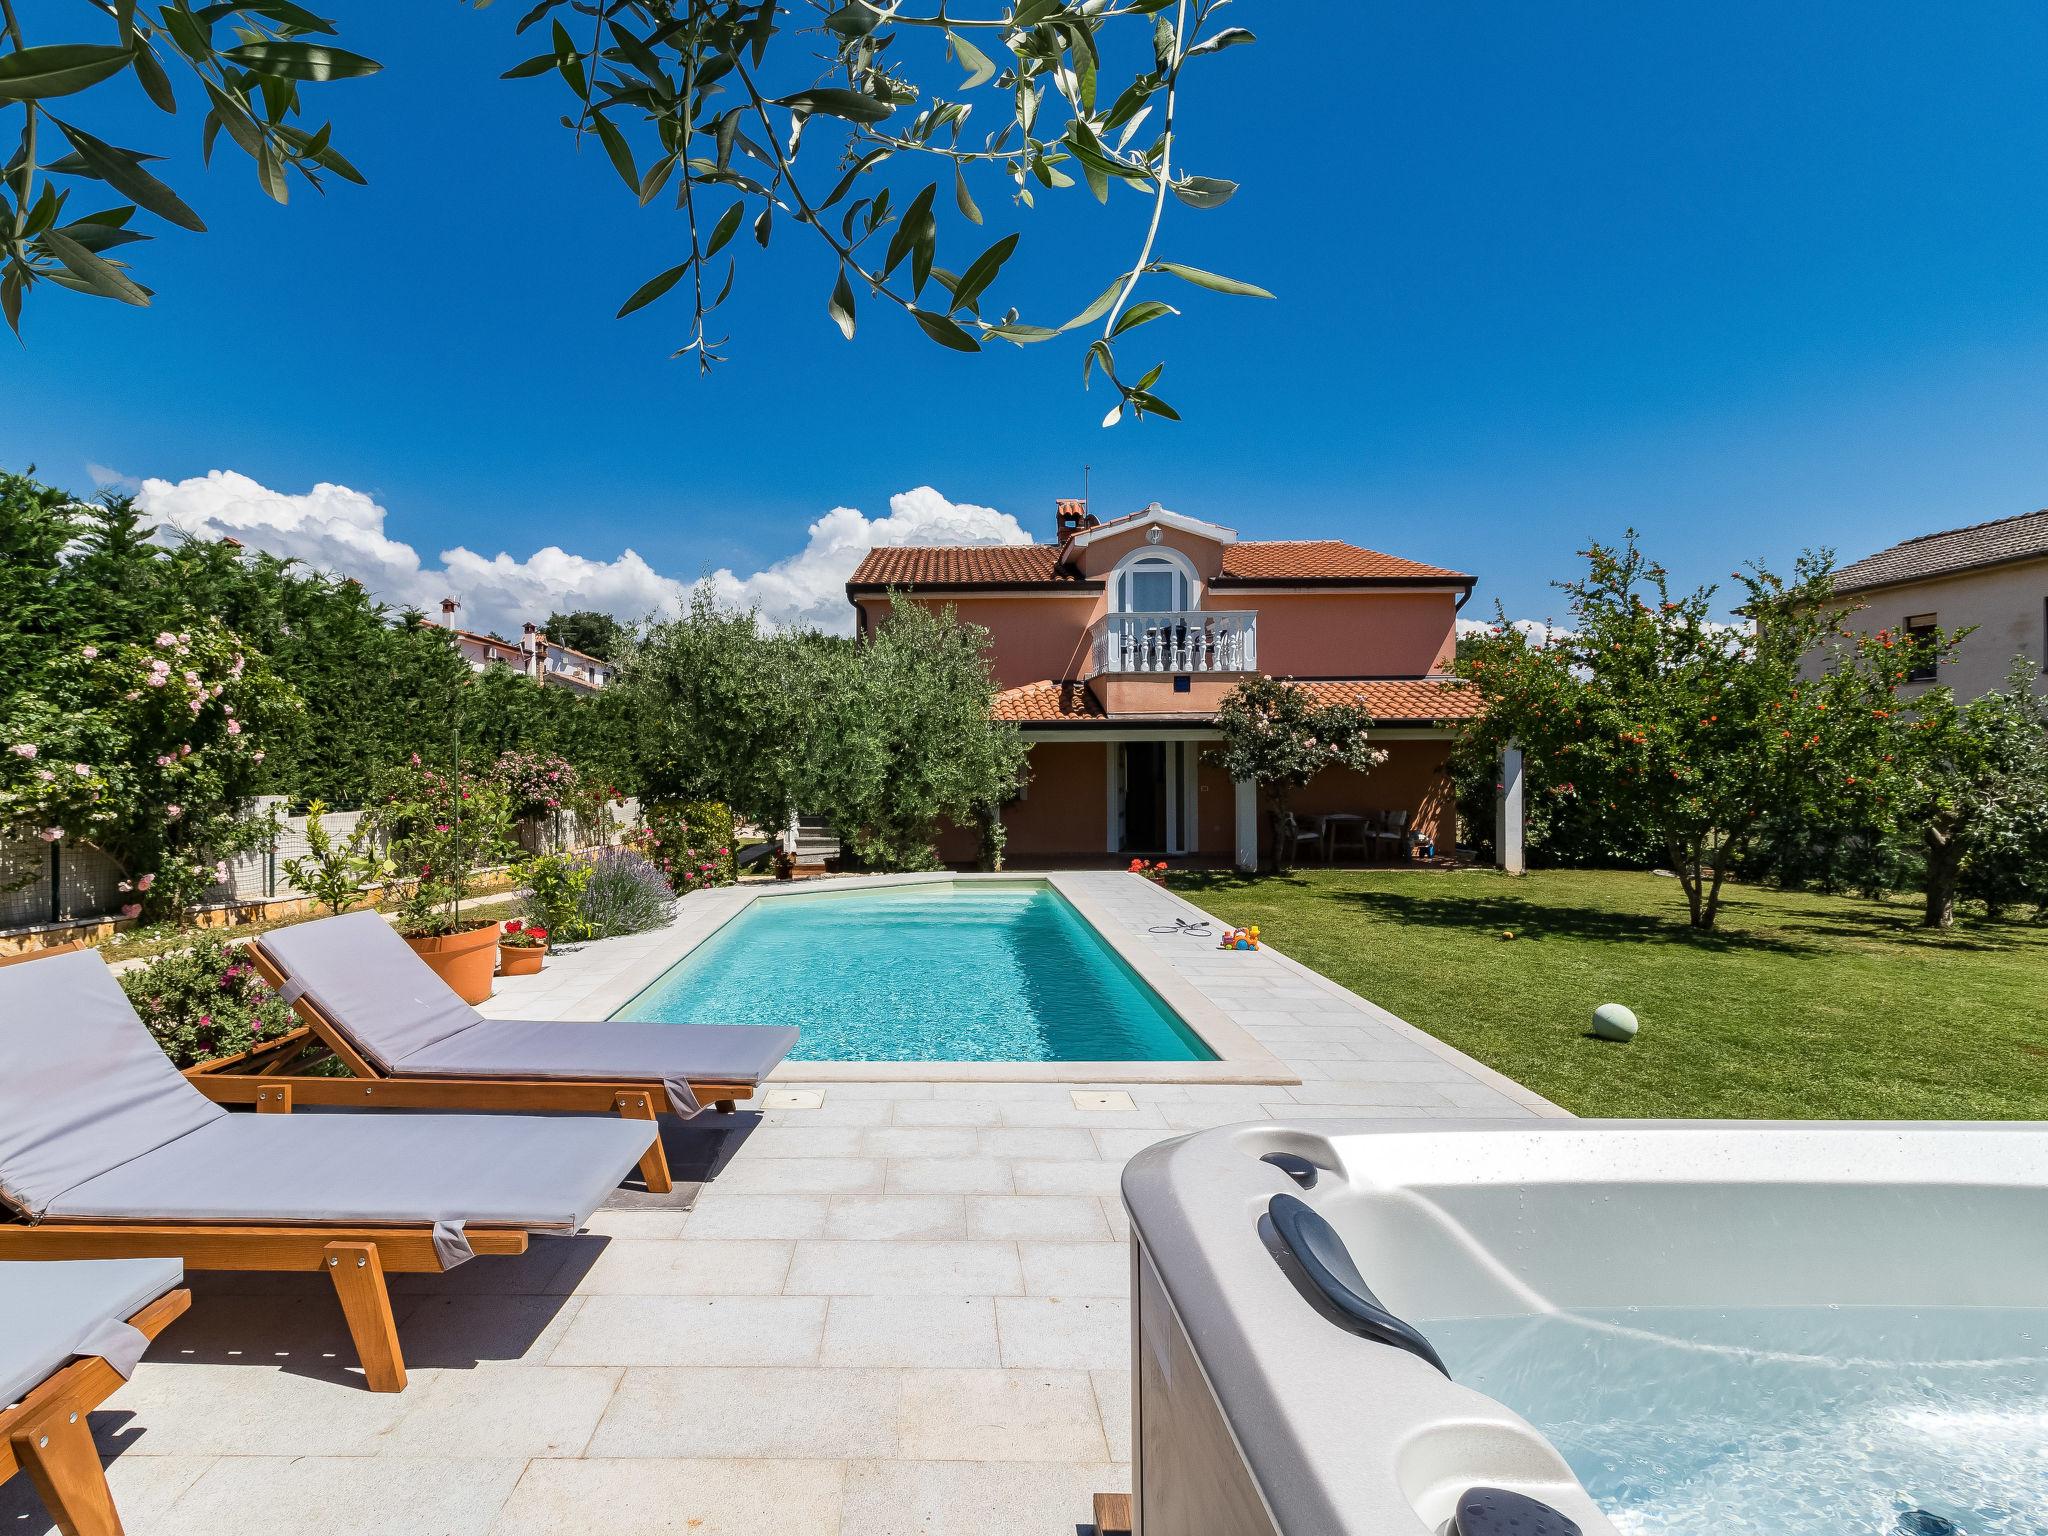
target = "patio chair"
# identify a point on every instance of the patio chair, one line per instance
(69, 1335)
(106, 1151)
(1310, 830)
(411, 1043)
(1392, 833)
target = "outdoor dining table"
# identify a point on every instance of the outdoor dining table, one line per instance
(1334, 824)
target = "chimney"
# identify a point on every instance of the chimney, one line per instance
(448, 607)
(535, 644)
(1071, 517)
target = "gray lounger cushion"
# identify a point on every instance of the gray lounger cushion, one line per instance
(95, 1123)
(51, 1314)
(402, 1017)
(368, 980)
(83, 1087)
(607, 1049)
(540, 1174)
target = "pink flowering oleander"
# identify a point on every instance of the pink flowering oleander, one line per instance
(155, 679)
(165, 637)
(234, 727)
(195, 706)
(144, 882)
(163, 760)
(45, 775)
(132, 909)
(173, 812)
(23, 749)
(83, 770)
(90, 652)
(256, 757)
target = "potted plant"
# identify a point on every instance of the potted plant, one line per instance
(441, 829)
(521, 948)
(1156, 873)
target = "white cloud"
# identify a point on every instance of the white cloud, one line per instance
(336, 529)
(809, 587)
(1539, 630)
(105, 479)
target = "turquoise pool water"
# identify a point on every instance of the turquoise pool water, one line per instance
(1784, 1421)
(968, 972)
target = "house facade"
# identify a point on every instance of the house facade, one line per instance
(1115, 643)
(547, 662)
(1990, 578)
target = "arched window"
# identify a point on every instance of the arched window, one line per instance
(1154, 581)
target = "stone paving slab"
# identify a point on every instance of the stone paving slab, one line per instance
(901, 1311)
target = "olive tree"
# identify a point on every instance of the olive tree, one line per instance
(902, 738)
(747, 116)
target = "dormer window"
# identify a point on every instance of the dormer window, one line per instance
(1154, 581)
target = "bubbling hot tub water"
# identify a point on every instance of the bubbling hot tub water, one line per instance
(1778, 1421)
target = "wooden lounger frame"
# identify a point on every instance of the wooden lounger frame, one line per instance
(272, 1077)
(45, 1434)
(356, 1257)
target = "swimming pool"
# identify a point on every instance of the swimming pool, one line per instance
(975, 971)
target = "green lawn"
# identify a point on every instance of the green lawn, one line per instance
(1798, 1006)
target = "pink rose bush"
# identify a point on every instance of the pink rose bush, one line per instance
(155, 752)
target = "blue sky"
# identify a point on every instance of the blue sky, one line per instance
(1746, 276)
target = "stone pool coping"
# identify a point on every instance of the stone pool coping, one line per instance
(1272, 1019)
(1240, 1058)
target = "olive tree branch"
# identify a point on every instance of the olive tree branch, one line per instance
(786, 175)
(1162, 172)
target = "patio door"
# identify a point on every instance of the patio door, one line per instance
(1152, 807)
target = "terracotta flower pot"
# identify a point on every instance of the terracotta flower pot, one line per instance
(520, 959)
(463, 960)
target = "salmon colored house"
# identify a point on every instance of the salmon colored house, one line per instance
(1114, 646)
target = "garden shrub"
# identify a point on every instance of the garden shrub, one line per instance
(689, 841)
(555, 884)
(624, 893)
(205, 1001)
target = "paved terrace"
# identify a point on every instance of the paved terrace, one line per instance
(902, 1310)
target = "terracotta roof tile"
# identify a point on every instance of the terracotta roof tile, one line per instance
(1322, 560)
(1390, 701)
(1396, 699)
(1038, 565)
(1944, 554)
(1048, 700)
(965, 565)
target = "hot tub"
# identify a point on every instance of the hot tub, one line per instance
(1643, 1326)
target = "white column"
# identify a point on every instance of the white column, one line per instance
(1247, 825)
(1507, 814)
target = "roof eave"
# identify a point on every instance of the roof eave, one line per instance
(859, 589)
(1337, 583)
(1971, 569)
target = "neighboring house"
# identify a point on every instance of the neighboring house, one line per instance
(1114, 646)
(1990, 578)
(552, 665)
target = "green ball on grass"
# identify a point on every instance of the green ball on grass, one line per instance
(1613, 1021)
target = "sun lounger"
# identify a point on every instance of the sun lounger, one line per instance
(409, 1042)
(106, 1151)
(69, 1335)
